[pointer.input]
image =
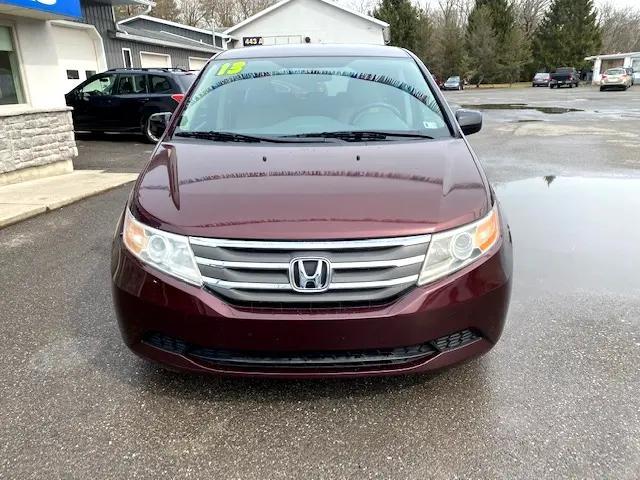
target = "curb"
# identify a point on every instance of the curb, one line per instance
(21, 201)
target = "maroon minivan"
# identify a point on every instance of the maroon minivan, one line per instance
(312, 211)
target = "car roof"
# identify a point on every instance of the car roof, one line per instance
(313, 50)
(175, 71)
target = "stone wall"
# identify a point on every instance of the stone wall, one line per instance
(35, 138)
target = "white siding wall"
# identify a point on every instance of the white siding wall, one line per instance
(41, 77)
(316, 20)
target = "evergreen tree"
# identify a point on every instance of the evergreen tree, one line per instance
(167, 10)
(517, 49)
(424, 32)
(448, 53)
(481, 46)
(568, 33)
(502, 16)
(402, 18)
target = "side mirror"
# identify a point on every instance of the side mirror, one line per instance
(470, 121)
(157, 124)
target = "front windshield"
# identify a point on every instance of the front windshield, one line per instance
(453, 79)
(305, 95)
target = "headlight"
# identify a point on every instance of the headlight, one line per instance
(165, 251)
(450, 251)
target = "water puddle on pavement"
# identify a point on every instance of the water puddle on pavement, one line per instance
(575, 233)
(522, 106)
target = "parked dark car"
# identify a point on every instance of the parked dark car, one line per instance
(122, 100)
(312, 211)
(541, 79)
(453, 83)
(564, 76)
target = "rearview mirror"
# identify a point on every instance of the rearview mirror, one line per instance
(470, 121)
(157, 124)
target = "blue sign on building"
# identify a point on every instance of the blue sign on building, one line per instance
(65, 8)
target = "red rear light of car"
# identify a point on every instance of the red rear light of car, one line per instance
(178, 97)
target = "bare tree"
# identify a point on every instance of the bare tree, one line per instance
(192, 13)
(529, 13)
(620, 29)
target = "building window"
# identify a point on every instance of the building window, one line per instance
(126, 57)
(89, 73)
(10, 85)
(73, 75)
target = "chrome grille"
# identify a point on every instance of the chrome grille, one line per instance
(363, 271)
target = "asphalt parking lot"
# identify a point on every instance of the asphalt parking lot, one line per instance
(558, 397)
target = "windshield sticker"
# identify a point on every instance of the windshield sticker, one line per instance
(231, 68)
(423, 97)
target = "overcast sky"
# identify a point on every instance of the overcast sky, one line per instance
(620, 3)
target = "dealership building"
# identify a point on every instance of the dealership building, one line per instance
(308, 21)
(602, 63)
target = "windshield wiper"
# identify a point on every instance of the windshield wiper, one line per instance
(230, 137)
(362, 135)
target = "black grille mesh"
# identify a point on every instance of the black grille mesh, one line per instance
(329, 359)
(455, 340)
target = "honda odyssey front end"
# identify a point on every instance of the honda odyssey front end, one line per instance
(313, 212)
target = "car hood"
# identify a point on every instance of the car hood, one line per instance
(298, 191)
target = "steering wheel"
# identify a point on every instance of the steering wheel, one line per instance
(356, 116)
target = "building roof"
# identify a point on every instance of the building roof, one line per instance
(613, 56)
(163, 38)
(162, 21)
(314, 50)
(282, 3)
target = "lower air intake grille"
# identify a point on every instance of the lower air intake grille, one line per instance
(455, 340)
(329, 359)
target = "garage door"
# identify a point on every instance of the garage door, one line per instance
(154, 60)
(197, 63)
(77, 55)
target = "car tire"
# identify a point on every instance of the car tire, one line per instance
(149, 138)
(602, 89)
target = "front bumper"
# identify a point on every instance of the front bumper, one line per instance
(188, 328)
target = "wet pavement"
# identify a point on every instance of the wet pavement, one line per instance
(600, 138)
(557, 397)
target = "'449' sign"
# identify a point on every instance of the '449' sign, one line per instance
(251, 41)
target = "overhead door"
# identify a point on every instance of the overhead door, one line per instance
(197, 63)
(155, 60)
(77, 55)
